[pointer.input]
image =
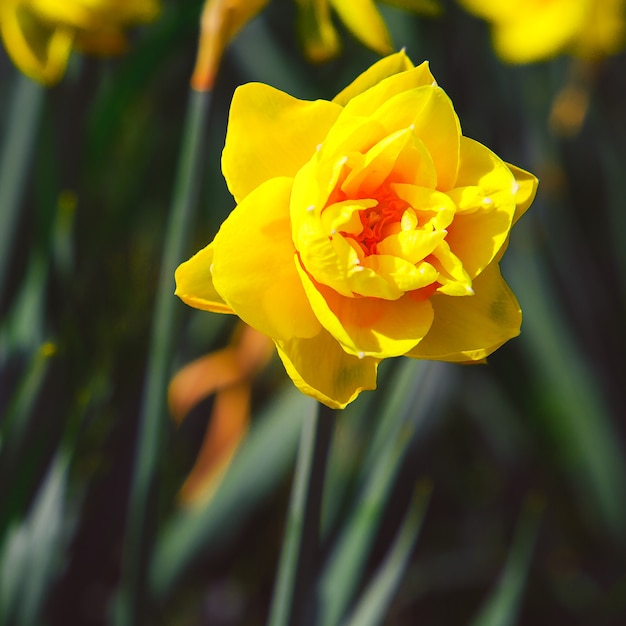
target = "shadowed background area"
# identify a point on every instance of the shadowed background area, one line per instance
(518, 467)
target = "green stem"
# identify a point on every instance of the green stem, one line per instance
(17, 148)
(301, 543)
(139, 534)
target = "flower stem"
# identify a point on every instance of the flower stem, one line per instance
(139, 535)
(298, 557)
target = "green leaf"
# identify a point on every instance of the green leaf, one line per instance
(263, 459)
(138, 537)
(31, 556)
(15, 161)
(417, 391)
(376, 599)
(577, 413)
(300, 548)
(502, 607)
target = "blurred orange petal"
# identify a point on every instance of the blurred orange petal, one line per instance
(228, 425)
(228, 373)
(200, 379)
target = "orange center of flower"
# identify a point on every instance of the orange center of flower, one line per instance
(378, 221)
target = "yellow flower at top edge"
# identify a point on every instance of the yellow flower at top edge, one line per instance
(525, 31)
(366, 228)
(40, 34)
(360, 17)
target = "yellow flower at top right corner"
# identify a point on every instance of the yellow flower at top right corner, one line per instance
(526, 31)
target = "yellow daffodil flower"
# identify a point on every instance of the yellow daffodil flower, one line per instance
(367, 227)
(525, 31)
(40, 34)
(360, 17)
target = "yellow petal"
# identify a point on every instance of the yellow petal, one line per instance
(74, 14)
(316, 29)
(477, 233)
(94, 14)
(604, 30)
(37, 49)
(351, 134)
(454, 279)
(369, 326)
(398, 273)
(194, 283)
(362, 18)
(371, 99)
(412, 245)
(320, 368)
(253, 266)
(344, 216)
(271, 134)
(379, 162)
(526, 190)
(429, 205)
(429, 112)
(330, 259)
(472, 327)
(541, 34)
(389, 66)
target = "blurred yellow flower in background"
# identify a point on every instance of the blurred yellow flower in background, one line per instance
(367, 227)
(525, 31)
(40, 34)
(221, 20)
(360, 17)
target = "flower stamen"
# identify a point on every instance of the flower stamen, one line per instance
(378, 221)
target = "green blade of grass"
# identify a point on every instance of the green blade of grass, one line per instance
(139, 535)
(376, 599)
(15, 421)
(579, 417)
(22, 330)
(15, 160)
(417, 392)
(30, 556)
(502, 607)
(302, 533)
(355, 428)
(271, 445)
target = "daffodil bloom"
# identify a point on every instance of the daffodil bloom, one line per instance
(525, 31)
(367, 227)
(39, 35)
(361, 17)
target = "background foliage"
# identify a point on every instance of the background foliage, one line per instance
(523, 459)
